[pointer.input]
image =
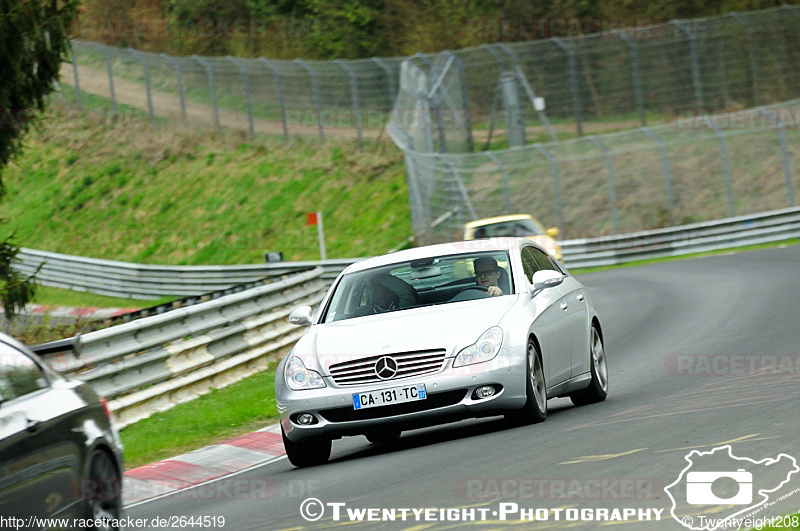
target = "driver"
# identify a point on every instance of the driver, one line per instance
(382, 298)
(487, 274)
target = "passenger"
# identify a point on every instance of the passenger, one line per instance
(487, 274)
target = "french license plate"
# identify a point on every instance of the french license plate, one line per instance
(386, 397)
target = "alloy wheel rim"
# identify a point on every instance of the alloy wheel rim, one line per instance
(599, 360)
(537, 379)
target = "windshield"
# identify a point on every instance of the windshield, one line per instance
(517, 227)
(419, 283)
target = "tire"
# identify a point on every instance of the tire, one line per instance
(308, 452)
(102, 491)
(535, 408)
(384, 436)
(598, 387)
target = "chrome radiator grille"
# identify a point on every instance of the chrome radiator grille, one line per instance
(408, 364)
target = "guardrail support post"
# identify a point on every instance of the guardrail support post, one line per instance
(279, 86)
(107, 55)
(696, 79)
(787, 170)
(179, 73)
(353, 95)
(612, 190)
(556, 185)
(315, 91)
(573, 78)
(637, 77)
(665, 167)
(211, 86)
(146, 72)
(246, 86)
(723, 150)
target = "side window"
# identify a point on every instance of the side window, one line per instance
(542, 260)
(529, 264)
(19, 375)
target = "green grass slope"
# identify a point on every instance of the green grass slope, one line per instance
(121, 190)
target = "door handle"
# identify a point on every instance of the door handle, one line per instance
(580, 297)
(564, 305)
(32, 425)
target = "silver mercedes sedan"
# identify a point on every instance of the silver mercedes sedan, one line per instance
(436, 334)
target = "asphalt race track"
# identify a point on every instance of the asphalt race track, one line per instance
(687, 343)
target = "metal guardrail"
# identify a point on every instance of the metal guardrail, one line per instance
(125, 279)
(155, 362)
(726, 233)
(143, 281)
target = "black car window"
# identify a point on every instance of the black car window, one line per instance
(529, 264)
(542, 260)
(19, 374)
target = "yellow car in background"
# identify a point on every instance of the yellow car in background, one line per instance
(523, 225)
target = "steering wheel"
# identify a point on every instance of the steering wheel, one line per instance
(481, 288)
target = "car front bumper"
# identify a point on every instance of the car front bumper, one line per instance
(450, 397)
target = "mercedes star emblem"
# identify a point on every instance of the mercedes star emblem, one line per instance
(386, 368)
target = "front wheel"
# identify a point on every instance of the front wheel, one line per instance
(103, 492)
(535, 408)
(308, 452)
(598, 387)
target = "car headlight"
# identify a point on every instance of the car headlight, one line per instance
(484, 349)
(299, 378)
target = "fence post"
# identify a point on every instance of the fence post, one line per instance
(573, 79)
(612, 190)
(726, 170)
(787, 170)
(502, 62)
(751, 45)
(462, 191)
(146, 71)
(107, 55)
(667, 175)
(315, 93)
(279, 86)
(556, 185)
(353, 95)
(515, 120)
(528, 90)
(506, 184)
(637, 77)
(696, 79)
(211, 86)
(389, 79)
(77, 81)
(179, 73)
(246, 86)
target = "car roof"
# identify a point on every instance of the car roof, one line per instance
(442, 249)
(497, 219)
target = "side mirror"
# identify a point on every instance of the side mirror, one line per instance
(544, 279)
(553, 232)
(301, 316)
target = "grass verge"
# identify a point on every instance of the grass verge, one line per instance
(222, 414)
(50, 296)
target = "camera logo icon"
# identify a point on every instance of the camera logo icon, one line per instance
(699, 491)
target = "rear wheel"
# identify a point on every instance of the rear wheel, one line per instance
(102, 491)
(385, 436)
(598, 387)
(307, 452)
(535, 408)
